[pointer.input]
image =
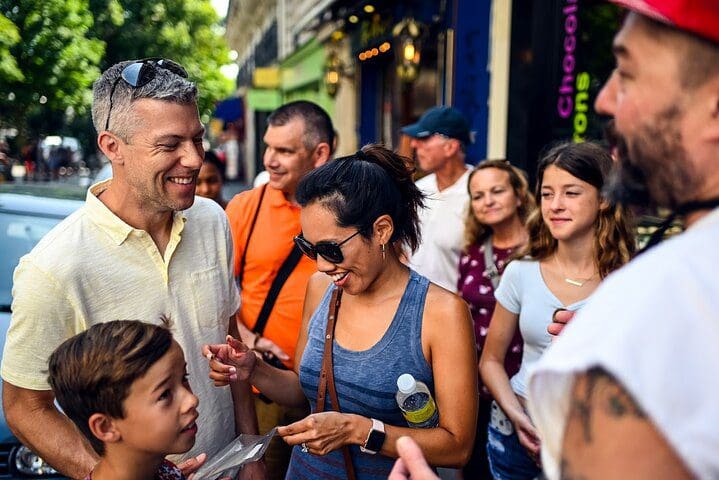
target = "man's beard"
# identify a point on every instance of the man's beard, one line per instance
(652, 167)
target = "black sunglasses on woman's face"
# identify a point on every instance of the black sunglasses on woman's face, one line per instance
(330, 251)
(139, 73)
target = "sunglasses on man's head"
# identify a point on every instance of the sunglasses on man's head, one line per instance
(139, 73)
(330, 251)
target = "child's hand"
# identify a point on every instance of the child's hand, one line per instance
(229, 361)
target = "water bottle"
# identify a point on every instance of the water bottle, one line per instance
(416, 403)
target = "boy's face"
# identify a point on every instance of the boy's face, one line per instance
(160, 410)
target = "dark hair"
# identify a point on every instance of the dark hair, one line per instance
(361, 187)
(614, 241)
(212, 158)
(318, 124)
(92, 372)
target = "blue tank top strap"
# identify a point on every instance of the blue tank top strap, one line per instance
(366, 381)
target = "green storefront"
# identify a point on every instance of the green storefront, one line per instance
(302, 76)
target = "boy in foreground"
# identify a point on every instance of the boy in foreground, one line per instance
(124, 384)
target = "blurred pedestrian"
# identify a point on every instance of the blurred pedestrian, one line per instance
(439, 139)
(6, 162)
(495, 228)
(142, 246)
(575, 240)
(627, 389)
(211, 178)
(29, 155)
(357, 213)
(270, 270)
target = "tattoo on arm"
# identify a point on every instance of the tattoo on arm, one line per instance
(568, 473)
(596, 397)
(601, 390)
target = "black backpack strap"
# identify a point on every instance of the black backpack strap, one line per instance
(285, 270)
(241, 273)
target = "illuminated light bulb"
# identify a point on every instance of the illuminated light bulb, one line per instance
(409, 52)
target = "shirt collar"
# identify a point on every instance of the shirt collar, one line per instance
(113, 225)
(277, 199)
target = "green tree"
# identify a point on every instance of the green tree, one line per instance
(9, 36)
(56, 59)
(187, 31)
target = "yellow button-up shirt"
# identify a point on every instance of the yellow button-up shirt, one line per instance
(93, 268)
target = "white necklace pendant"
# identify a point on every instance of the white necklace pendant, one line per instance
(574, 282)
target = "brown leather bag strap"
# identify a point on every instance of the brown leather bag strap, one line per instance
(327, 377)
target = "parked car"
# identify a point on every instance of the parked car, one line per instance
(24, 218)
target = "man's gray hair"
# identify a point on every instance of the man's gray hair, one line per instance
(165, 85)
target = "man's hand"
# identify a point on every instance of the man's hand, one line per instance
(411, 463)
(257, 342)
(229, 361)
(560, 319)
(265, 345)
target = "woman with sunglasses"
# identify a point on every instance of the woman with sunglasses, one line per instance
(358, 212)
(495, 228)
(575, 240)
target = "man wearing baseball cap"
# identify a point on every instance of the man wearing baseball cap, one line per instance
(439, 139)
(629, 389)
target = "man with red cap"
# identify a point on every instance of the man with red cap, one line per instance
(629, 388)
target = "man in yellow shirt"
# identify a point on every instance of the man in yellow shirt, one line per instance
(142, 247)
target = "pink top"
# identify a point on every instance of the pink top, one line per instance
(476, 288)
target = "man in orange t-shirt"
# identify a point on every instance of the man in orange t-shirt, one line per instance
(299, 138)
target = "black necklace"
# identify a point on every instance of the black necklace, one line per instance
(681, 210)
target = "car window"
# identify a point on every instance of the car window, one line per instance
(18, 235)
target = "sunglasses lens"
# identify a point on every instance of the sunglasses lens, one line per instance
(331, 253)
(175, 68)
(138, 74)
(305, 247)
(141, 72)
(131, 73)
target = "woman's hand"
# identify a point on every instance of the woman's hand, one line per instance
(229, 361)
(528, 436)
(321, 432)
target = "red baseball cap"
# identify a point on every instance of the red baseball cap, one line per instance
(697, 16)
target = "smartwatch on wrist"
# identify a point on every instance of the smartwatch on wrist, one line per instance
(375, 438)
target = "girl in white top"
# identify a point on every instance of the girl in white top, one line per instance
(576, 239)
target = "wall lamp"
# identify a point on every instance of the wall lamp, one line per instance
(407, 36)
(334, 71)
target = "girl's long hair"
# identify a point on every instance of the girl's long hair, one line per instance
(614, 242)
(475, 232)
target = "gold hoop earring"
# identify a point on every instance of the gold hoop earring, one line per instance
(384, 251)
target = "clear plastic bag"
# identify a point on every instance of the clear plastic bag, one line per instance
(243, 449)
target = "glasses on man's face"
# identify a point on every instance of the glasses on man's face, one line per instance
(139, 73)
(330, 251)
